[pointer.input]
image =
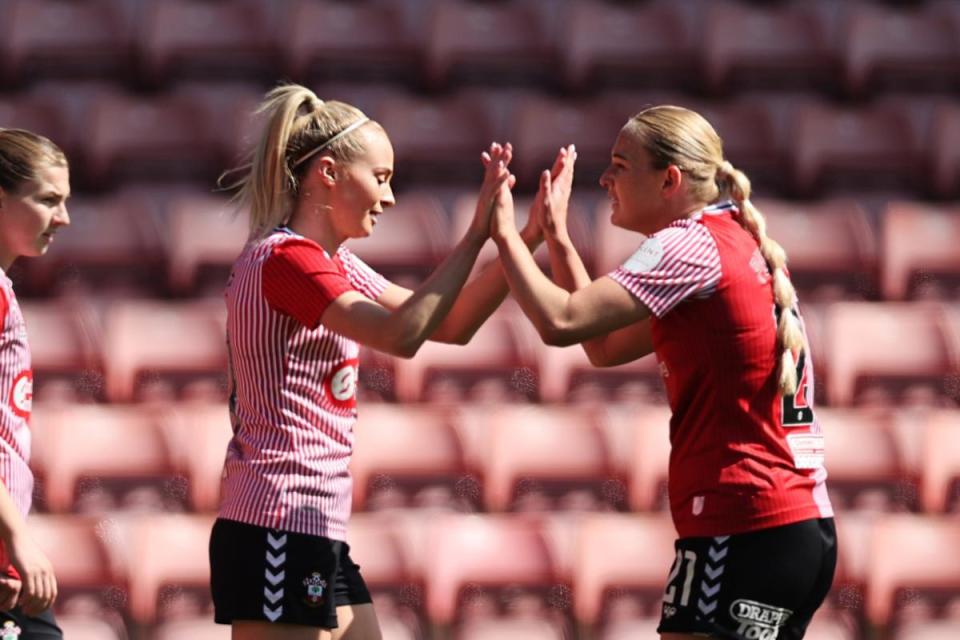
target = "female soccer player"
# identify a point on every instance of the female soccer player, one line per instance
(299, 305)
(708, 292)
(34, 187)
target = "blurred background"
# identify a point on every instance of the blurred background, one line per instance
(504, 489)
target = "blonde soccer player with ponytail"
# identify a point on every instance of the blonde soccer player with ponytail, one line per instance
(708, 292)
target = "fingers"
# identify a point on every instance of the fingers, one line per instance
(9, 593)
(38, 594)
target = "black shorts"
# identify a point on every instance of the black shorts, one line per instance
(39, 627)
(760, 585)
(276, 576)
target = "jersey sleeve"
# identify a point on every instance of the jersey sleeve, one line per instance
(674, 264)
(299, 280)
(363, 278)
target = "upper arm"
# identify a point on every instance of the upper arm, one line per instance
(393, 296)
(597, 309)
(357, 317)
(621, 346)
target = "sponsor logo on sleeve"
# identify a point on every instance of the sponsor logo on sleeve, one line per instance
(646, 258)
(758, 621)
(341, 384)
(21, 394)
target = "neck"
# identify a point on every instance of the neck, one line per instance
(310, 221)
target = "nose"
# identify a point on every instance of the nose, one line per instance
(605, 178)
(388, 200)
(62, 218)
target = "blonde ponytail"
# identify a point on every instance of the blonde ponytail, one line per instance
(735, 185)
(298, 125)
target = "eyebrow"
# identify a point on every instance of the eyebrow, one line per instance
(620, 156)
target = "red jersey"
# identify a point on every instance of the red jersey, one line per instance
(293, 386)
(743, 456)
(16, 385)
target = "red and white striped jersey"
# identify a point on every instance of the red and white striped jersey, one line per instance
(16, 385)
(743, 456)
(293, 395)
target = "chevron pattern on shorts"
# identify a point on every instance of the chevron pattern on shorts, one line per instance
(274, 574)
(712, 577)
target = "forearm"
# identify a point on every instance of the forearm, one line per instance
(570, 273)
(419, 316)
(479, 299)
(11, 522)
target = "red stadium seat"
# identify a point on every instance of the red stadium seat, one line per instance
(611, 44)
(490, 42)
(766, 47)
(549, 458)
(48, 38)
(929, 630)
(511, 629)
(201, 432)
(157, 349)
(34, 114)
(854, 535)
(912, 553)
(206, 233)
(471, 555)
(168, 556)
(567, 375)
(869, 470)
(400, 450)
(200, 628)
(154, 138)
(884, 349)
(831, 247)
(87, 628)
(228, 113)
(435, 139)
(647, 440)
(919, 251)
(941, 463)
(64, 349)
(335, 40)
(945, 177)
(84, 472)
(890, 48)
(496, 364)
(620, 554)
(837, 147)
(193, 38)
(377, 546)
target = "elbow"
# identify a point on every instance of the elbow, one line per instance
(597, 358)
(406, 349)
(556, 335)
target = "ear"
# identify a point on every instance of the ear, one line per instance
(672, 181)
(326, 169)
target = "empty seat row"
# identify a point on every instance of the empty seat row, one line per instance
(487, 457)
(576, 45)
(598, 570)
(789, 144)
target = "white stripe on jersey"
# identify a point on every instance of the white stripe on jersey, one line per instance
(287, 464)
(16, 387)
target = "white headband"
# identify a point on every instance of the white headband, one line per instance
(326, 144)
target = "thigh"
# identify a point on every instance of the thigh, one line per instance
(761, 585)
(357, 622)
(251, 630)
(15, 624)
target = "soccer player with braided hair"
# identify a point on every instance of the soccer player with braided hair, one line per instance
(709, 293)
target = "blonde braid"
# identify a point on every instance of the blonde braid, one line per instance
(735, 184)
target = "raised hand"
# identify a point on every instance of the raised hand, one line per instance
(496, 174)
(553, 197)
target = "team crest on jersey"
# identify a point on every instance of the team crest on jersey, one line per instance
(316, 587)
(646, 257)
(10, 631)
(341, 384)
(21, 395)
(758, 621)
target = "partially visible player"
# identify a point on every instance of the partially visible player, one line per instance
(709, 293)
(34, 187)
(299, 306)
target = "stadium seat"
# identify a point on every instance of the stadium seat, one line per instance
(200, 628)
(830, 244)
(403, 449)
(766, 47)
(197, 39)
(568, 376)
(642, 434)
(612, 245)
(915, 553)
(869, 470)
(628, 628)
(471, 555)
(886, 346)
(87, 628)
(929, 630)
(435, 139)
(378, 547)
(65, 353)
(34, 114)
(169, 564)
(492, 43)
(945, 175)
(854, 539)
(155, 138)
(542, 125)
(157, 349)
(941, 463)
(919, 251)
(53, 38)
(348, 41)
(864, 148)
(619, 554)
(84, 472)
(200, 432)
(549, 457)
(899, 48)
(497, 364)
(511, 629)
(206, 234)
(606, 44)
